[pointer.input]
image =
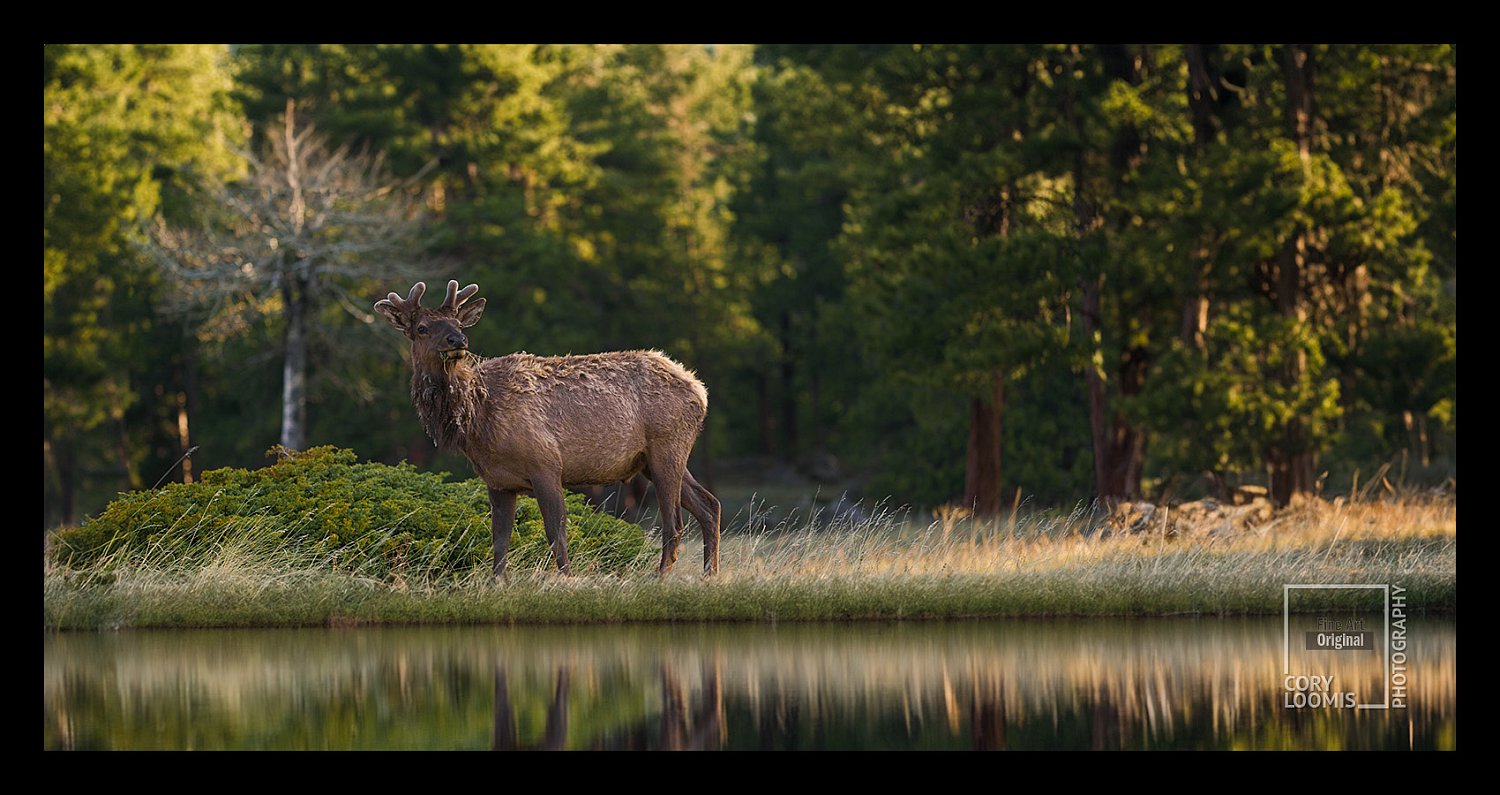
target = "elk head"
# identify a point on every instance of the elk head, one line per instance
(436, 335)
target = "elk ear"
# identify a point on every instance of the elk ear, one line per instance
(393, 315)
(469, 313)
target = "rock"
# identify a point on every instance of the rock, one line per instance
(1198, 509)
(1130, 517)
(1246, 494)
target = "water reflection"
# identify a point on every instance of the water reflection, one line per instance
(982, 685)
(691, 718)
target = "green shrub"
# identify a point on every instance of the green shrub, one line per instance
(384, 521)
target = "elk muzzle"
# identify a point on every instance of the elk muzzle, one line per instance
(458, 346)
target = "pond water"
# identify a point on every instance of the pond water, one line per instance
(1017, 684)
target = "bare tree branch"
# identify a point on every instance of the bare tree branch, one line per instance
(308, 224)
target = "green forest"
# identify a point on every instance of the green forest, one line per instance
(931, 274)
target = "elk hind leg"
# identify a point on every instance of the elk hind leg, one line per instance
(704, 506)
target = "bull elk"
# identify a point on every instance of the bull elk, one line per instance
(539, 423)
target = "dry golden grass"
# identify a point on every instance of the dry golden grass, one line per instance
(885, 566)
(955, 544)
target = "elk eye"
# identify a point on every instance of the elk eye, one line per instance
(421, 329)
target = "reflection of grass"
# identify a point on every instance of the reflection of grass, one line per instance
(1057, 683)
(871, 568)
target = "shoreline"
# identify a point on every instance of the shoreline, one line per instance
(333, 601)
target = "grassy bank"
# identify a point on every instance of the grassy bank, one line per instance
(882, 567)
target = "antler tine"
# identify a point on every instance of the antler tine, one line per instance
(401, 311)
(456, 297)
(407, 304)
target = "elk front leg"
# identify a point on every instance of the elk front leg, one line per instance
(505, 715)
(502, 522)
(549, 497)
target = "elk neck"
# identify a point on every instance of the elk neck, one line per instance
(448, 400)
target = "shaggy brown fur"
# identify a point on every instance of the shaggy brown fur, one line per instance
(537, 423)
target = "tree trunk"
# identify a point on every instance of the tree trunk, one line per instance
(294, 369)
(295, 294)
(1290, 463)
(132, 477)
(1424, 442)
(788, 390)
(1195, 304)
(1127, 452)
(187, 406)
(1098, 410)
(1119, 448)
(1202, 93)
(982, 476)
(1298, 69)
(184, 438)
(1416, 436)
(1291, 474)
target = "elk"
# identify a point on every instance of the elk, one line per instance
(539, 424)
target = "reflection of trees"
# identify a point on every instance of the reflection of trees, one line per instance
(987, 685)
(987, 710)
(1104, 725)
